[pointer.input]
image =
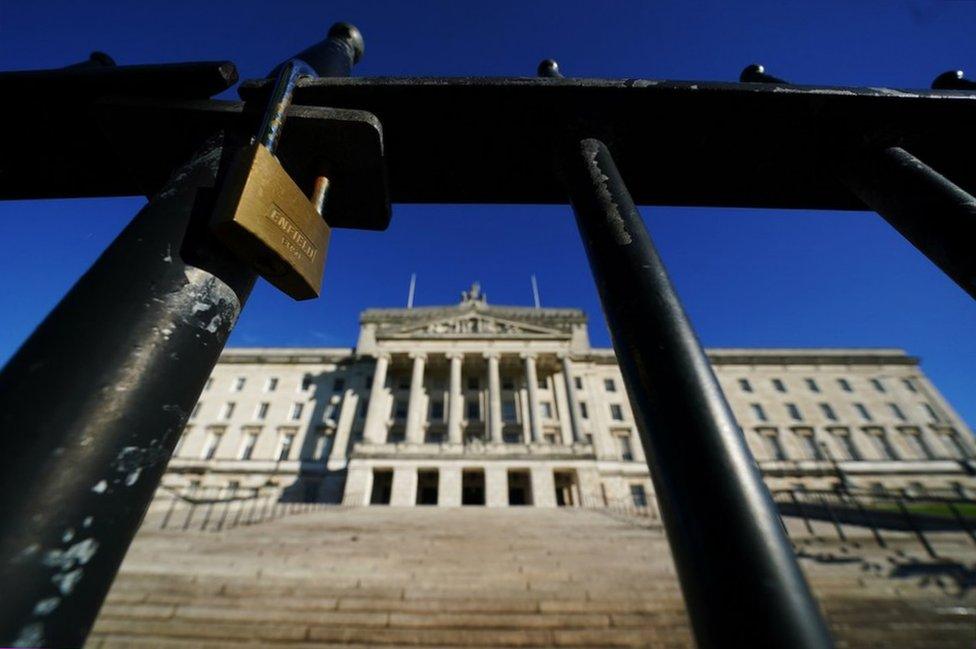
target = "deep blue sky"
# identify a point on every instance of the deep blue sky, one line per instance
(747, 277)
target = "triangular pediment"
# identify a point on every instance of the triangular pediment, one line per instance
(474, 325)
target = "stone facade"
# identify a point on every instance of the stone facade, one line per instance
(477, 404)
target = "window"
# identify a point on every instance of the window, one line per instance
(546, 409)
(262, 411)
(744, 385)
(287, 441)
(473, 383)
(330, 411)
(774, 448)
(609, 385)
(845, 385)
(306, 382)
(779, 385)
(930, 411)
(296, 411)
(878, 385)
(508, 410)
(758, 411)
(368, 381)
(323, 443)
(473, 410)
(195, 411)
(437, 411)
(828, 411)
(909, 385)
(511, 437)
(578, 382)
(542, 383)
(434, 437)
(863, 411)
(954, 443)
(247, 447)
(896, 411)
(400, 410)
(549, 437)
(844, 441)
(208, 384)
(638, 495)
(508, 383)
(339, 385)
(363, 408)
(239, 383)
(584, 412)
(794, 412)
(881, 443)
(228, 410)
(626, 450)
(212, 442)
(809, 443)
(914, 440)
(812, 385)
(616, 412)
(271, 384)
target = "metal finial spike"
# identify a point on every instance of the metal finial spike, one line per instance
(549, 68)
(756, 73)
(349, 33)
(95, 60)
(953, 80)
(101, 58)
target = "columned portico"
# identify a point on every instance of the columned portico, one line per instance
(415, 407)
(494, 399)
(532, 387)
(455, 406)
(375, 429)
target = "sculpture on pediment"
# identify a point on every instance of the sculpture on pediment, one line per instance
(474, 295)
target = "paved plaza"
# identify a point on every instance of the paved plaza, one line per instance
(477, 577)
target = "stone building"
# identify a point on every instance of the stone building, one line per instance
(476, 404)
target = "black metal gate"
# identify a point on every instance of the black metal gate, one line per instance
(129, 348)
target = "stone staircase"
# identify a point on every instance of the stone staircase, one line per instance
(495, 578)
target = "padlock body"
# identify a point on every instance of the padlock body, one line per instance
(267, 221)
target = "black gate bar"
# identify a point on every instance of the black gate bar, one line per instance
(740, 578)
(95, 400)
(934, 214)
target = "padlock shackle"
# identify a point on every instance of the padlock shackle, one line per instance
(288, 75)
(332, 57)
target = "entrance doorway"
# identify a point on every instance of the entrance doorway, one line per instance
(519, 488)
(473, 487)
(427, 487)
(567, 488)
(382, 487)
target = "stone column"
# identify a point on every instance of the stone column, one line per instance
(347, 412)
(574, 408)
(532, 387)
(455, 399)
(374, 431)
(494, 398)
(415, 407)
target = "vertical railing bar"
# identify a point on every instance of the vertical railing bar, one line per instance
(724, 530)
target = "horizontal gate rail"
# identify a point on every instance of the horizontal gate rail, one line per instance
(722, 144)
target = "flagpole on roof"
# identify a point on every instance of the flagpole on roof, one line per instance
(535, 293)
(413, 285)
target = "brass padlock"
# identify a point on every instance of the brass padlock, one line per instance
(262, 214)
